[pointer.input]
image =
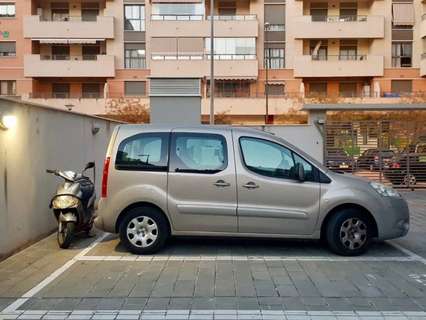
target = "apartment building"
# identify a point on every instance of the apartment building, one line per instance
(93, 55)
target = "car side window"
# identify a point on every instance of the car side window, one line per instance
(143, 152)
(272, 159)
(198, 153)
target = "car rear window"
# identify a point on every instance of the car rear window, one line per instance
(143, 152)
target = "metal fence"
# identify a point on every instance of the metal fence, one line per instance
(389, 151)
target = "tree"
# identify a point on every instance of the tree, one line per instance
(131, 111)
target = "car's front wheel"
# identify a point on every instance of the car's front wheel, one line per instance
(144, 230)
(349, 232)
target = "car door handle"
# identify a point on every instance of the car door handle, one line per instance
(221, 183)
(251, 185)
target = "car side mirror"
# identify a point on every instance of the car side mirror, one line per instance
(89, 165)
(300, 172)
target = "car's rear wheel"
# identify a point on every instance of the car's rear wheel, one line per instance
(349, 232)
(144, 230)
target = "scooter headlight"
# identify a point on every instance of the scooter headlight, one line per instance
(385, 191)
(62, 202)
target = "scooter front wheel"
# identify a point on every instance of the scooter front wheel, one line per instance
(65, 234)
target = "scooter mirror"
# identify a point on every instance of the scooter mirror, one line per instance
(89, 165)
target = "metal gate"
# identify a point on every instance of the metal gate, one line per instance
(389, 151)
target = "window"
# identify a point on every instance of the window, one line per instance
(272, 160)
(61, 90)
(177, 11)
(134, 18)
(230, 88)
(275, 89)
(232, 48)
(348, 89)
(59, 11)
(92, 90)
(348, 50)
(319, 11)
(402, 54)
(317, 89)
(134, 88)
(143, 152)
(7, 10)
(274, 14)
(348, 11)
(60, 52)
(7, 49)
(198, 153)
(7, 88)
(274, 58)
(403, 87)
(227, 8)
(89, 11)
(134, 56)
(91, 51)
(318, 49)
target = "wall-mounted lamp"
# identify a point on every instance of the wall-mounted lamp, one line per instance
(8, 122)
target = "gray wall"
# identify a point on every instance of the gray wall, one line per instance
(43, 138)
(306, 137)
(181, 110)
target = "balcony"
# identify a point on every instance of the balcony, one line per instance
(226, 66)
(338, 27)
(70, 28)
(423, 65)
(82, 66)
(197, 26)
(338, 66)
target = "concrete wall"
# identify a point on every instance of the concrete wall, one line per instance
(43, 138)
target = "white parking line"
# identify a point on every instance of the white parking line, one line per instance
(228, 314)
(410, 253)
(249, 258)
(20, 301)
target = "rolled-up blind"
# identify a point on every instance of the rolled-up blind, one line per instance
(163, 46)
(190, 45)
(275, 13)
(403, 14)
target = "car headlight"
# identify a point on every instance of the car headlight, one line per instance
(65, 202)
(383, 190)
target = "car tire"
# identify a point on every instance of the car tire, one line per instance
(349, 232)
(144, 230)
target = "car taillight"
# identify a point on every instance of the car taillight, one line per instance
(396, 165)
(376, 157)
(105, 178)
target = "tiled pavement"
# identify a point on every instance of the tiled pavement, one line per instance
(219, 279)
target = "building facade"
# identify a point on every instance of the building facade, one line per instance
(94, 55)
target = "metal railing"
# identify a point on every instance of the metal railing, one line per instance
(66, 95)
(93, 18)
(340, 57)
(389, 151)
(177, 17)
(91, 57)
(341, 18)
(201, 56)
(249, 17)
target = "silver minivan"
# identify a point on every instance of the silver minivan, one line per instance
(161, 181)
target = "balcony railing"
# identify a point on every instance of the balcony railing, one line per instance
(341, 57)
(85, 57)
(342, 18)
(66, 95)
(177, 17)
(249, 17)
(200, 17)
(203, 56)
(70, 19)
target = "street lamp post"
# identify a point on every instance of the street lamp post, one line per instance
(267, 61)
(211, 62)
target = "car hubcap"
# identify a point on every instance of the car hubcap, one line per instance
(353, 233)
(409, 179)
(142, 231)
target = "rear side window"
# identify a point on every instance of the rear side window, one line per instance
(198, 153)
(143, 152)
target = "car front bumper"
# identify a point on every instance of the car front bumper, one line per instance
(395, 218)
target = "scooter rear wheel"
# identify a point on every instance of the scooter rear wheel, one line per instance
(65, 234)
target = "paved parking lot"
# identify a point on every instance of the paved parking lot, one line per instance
(219, 279)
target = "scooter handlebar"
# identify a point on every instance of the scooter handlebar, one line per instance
(51, 171)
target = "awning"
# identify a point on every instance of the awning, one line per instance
(403, 14)
(68, 41)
